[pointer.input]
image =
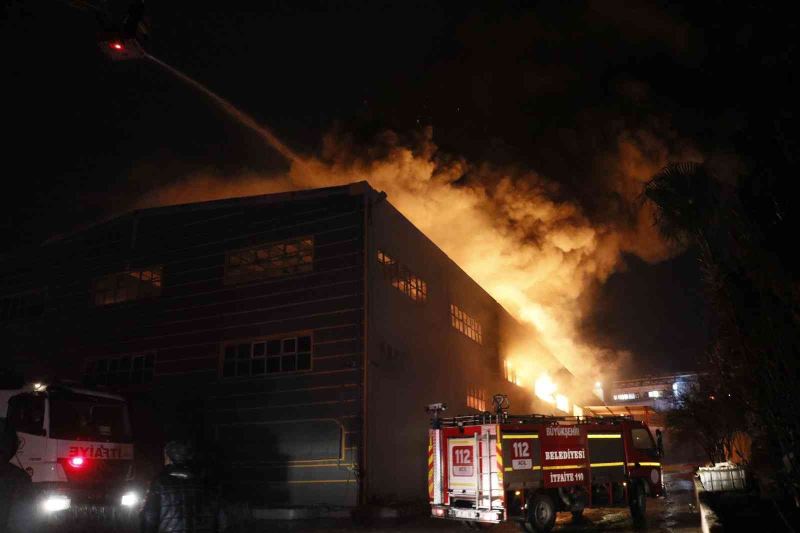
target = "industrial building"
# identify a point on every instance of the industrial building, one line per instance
(299, 335)
(649, 399)
(658, 392)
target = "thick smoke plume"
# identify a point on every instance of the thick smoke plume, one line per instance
(538, 255)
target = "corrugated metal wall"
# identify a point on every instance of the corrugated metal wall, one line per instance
(284, 437)
(288, 437)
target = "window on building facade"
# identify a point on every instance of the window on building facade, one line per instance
(476, 398)
(654, 394)
(466, 324)
(626, 396)
(121, 370)
(104, 243)
(127, 286)
(267, 356)
(22, 305)
(402, 279)
(385, 260)
(510, 374)
(271, 260)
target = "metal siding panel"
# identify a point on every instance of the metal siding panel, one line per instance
(309, 410)
(196, 313)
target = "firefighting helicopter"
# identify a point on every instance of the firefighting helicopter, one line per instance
(121, 37)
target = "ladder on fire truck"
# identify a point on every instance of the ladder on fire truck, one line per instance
(501, 416)
(489, 418)
(484, 490)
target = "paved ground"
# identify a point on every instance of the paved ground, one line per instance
(674, 513)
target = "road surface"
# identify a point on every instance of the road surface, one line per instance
(674, 513)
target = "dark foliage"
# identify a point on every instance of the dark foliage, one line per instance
(754, 295)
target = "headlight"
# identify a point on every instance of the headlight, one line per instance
(55, 503)
(129, 499)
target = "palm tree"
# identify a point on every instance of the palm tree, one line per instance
(687, 200)
(755, 349)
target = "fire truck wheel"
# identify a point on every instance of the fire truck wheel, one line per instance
(638, 502)
(542, 513)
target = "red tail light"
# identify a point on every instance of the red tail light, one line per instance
(77, 462)
(116, 45)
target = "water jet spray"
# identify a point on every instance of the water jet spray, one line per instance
(240, 116)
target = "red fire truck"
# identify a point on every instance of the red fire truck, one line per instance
(489, 468)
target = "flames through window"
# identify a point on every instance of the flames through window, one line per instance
(466, 324)
(126, 286)
(403, 279)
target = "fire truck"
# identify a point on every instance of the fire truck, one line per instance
(76, 445)
(490, 468)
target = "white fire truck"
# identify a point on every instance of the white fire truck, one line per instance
(76, 445)
(489, 468)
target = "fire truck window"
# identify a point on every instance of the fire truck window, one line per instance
(76, 416)
(642, 440)
(26, 413)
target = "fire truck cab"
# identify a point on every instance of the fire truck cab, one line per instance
(489, 468)
(75, 443)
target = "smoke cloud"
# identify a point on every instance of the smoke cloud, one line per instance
(510, 229)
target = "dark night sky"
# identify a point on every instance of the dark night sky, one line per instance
(546, 85)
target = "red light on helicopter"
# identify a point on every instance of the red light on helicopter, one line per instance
(119, 48)
(76, 462)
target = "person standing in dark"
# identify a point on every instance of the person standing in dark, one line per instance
(183, 498)
(16, 488)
